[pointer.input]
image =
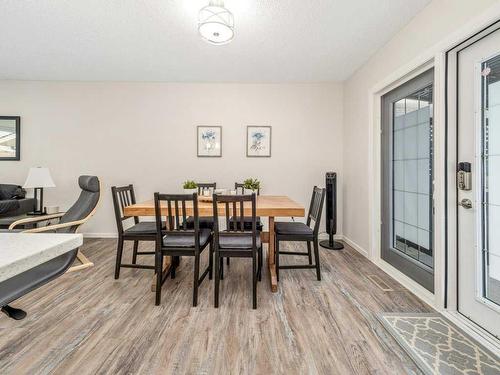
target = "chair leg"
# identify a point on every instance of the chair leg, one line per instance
(221, 260)
(196, 281)
(260, 263)
(277, 259)
(159, 275)
(119, 252)
(134, 254)
(254, 280)
(309, 253)
(227, 260)
(217, 279)
(210, 261)
(316, 256)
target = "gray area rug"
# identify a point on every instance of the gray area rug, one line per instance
(437, 346)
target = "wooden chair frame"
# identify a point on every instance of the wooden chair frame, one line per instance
(314, 214)
(234, 205)
(85, 262)
(177, 227)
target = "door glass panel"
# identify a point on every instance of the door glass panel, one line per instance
(491, 178)
(412, 176)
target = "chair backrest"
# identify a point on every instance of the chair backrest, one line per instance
(234, 216)
(175, 216)
(316, 207)
(85, 205)
(123, 196)
(206, 186)
(241, 187)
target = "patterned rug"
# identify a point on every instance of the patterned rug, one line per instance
(437, 346)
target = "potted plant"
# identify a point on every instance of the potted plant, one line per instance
(190, 187)
(252, 184)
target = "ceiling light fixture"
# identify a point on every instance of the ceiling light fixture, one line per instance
(216, 23)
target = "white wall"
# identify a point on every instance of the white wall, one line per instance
(145, 134)
(439, 20)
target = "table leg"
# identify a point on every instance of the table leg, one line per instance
(271, 260)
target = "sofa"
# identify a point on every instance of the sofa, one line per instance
(13, 203)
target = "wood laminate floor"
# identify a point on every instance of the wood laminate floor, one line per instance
(88, 323)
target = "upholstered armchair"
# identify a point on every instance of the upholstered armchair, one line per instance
(70, 221)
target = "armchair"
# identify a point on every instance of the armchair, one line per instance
(69, 222)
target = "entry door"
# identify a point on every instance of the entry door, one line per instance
(479, 202)
(407, 175)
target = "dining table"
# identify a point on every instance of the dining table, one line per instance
(270, 206)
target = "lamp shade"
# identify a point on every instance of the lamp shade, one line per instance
(38, 177)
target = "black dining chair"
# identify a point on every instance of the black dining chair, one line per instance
(247, 221)
(234, 241)
(124, 196)
(205, 221)
(296, 231)
(177, 240)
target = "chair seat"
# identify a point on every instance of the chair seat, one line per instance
(204, 222)
(293, 228)
(145, 227)
(181, 239)
(243, 242)
(247, 223)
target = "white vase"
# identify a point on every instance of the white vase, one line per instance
(190, 191)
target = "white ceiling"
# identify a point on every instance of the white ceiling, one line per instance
(157, 40)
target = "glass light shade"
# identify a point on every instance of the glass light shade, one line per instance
(38, 177)
(216, 24)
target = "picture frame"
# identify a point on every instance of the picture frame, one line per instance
(259, 141)
(10, 138)
(209, 141)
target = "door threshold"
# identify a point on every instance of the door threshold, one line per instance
(482, 336)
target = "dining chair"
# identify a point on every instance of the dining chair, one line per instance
(205, 221)
(247, 221)
(296, 231)
(235, 241)
(124, 196)
(177, 240)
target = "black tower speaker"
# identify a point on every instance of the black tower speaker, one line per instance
(331, 212)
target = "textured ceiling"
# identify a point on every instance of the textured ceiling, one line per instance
(157, 40)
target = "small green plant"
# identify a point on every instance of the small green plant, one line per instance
(189, 185)
(251, 184)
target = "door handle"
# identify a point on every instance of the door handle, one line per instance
(465, 203)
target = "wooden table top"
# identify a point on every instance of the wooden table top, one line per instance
(267, 205)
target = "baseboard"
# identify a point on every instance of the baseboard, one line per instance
(397, 275)
(355, 246)
(407, 282)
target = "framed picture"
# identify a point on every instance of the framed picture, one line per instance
(209, 141)
(258, 141)
(10, 138)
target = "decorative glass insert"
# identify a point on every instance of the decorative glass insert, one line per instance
(490, 178)
(412, 155)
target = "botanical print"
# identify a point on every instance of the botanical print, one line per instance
(209, 140)
(258, 138)
(259, 141)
